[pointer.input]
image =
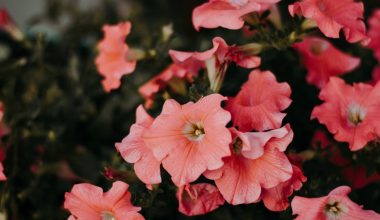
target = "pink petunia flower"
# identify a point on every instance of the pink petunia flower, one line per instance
(335, 206)
(259, 103)
(227, 13)
(198, 199)
(322, 60)
(374, 33)
(331, 16)
(113, 60)
(134, 150)
(276, 198)
(190, 138)
(157, 83)
(86, 201)
(257, 161)
(350, 112)
(215, 60)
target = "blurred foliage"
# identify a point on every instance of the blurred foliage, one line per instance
(64, 126)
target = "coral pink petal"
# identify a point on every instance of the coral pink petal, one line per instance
(237, 183)
(276, 198)
(134, 150)
(221, 14)
(271, 169)
(308, 208)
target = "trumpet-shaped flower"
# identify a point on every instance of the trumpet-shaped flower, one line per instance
(331, 16)
(350, 112)
(86, 201)
(259, 103)
(198, 199)
(335, 206)
(134, 150)
(190, 138)
(258, 161)
(113, 60)
(322, 60)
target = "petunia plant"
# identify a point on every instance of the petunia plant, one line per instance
(131, 110)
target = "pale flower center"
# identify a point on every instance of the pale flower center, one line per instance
(106, 215)
(355, 115)
(194, 131)
(333, 210)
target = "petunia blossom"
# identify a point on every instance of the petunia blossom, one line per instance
(336, 205)
(322, 60)
(276, 198)
(190, 138)
(259, 103)
(374, 33)
(227, 13)
(215, 60)
(86, 201)
(157, 83)
(113, 60)
(198, 199)
(332, 16)
(350, 112)
(134, 150)
(257, 162)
